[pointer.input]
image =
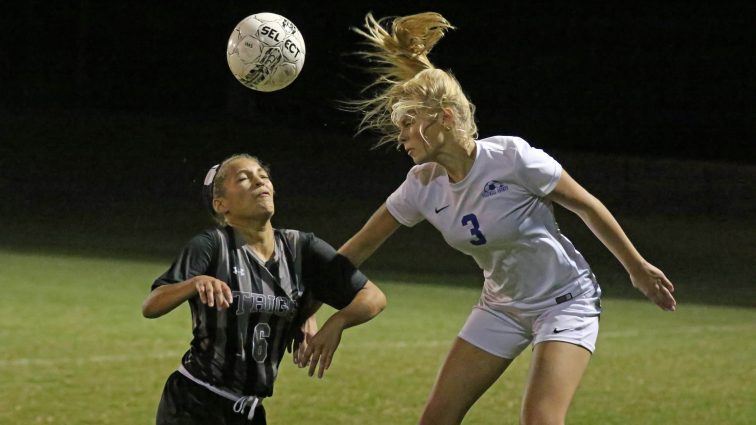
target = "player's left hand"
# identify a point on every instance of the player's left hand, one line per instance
(322, 347)
(655, 286)
(299, 346)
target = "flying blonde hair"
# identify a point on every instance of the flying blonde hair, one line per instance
(407, 82)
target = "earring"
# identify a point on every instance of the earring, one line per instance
(447, 128)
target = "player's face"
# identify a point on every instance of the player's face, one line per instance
(248, 192)
(420, 136)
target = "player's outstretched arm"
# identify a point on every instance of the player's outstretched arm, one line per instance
(644, 276)
(363, 244)
(368, 303)
(163, 299)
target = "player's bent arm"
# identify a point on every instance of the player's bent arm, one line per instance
(366, 304)
(167, 297)
(363, 244)
(163, 299)
(647, 278)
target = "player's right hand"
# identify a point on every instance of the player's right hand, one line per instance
(213, 292)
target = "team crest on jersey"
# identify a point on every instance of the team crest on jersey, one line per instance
(493, 188)
(239, 271)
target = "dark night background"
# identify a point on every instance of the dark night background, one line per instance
(110, 113)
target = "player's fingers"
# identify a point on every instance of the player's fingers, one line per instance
(201, 292)
(300, 353)
(218, 296)
(209, 295)
(652, 293)
(313, 363)
(325, 363)
(229, 296)
(667, 284)
(656, 295)
(300, 349)
(220, 300)
(305, 358)
(667, 301)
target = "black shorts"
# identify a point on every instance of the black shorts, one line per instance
(186, 403)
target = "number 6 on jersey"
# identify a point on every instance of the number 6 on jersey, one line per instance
(260, 343)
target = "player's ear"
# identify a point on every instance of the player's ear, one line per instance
(447, 117)
(219, 205)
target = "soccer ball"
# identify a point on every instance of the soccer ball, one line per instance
(265, 52)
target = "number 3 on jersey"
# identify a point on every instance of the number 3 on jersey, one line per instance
(475, 231)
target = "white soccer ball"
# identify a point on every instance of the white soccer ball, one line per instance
(265, 52)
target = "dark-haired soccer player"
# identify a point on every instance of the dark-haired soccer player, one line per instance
(250, 288)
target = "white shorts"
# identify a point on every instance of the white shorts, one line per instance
(506, 334)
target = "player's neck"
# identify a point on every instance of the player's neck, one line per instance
(260, 239)
(457, 162)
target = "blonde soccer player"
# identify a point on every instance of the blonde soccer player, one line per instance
(491, 199)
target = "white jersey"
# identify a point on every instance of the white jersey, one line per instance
(498, 214)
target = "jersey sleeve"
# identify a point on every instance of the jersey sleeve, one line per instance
(401, 204)
(534, 169)
(329, 275)
(194, 260)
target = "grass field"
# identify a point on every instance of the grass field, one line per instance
(74, 349)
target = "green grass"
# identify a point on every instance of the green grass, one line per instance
(74, 349)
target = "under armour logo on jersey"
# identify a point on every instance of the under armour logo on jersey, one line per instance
(493, 188)
(239, 271)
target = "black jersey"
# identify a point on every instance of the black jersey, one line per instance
(239, 349)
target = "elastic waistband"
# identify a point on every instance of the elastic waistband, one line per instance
(240, 401)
